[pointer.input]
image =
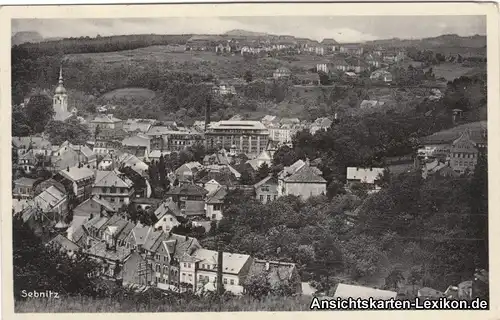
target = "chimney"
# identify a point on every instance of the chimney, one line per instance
(208, 111)
(220, 261)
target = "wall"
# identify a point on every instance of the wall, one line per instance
(167, 222)
(305, 190)
(272, 192)
(210, 211)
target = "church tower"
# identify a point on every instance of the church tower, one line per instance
(60, 101)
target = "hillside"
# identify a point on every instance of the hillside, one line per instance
(25, 37)
(245, 33)
(83, 304)
(447, 40)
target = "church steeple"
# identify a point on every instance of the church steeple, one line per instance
(60, 75)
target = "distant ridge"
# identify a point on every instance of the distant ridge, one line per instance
(245, 33)
(445, 40)
(26, 36)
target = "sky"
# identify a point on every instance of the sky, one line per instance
(341, 28)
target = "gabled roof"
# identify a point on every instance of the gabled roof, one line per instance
(49, 198)
(268, 180)
(154, 240)
(231, 263)
(345, 291)
(64, 243)
(217, 196)
(188, 189)
(194, 207)
(76, 173)
(99, 250)
(23, 181)
(108, 118)
(111, 179)
(101, 202)
(276, 271)
(137, 141)
(306, 174)
(166, 207)
(34, 142)
(365, 175)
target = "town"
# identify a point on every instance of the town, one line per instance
(154, 200)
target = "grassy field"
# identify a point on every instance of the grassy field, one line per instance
(136, 93)
(88, 305)
(451, 71)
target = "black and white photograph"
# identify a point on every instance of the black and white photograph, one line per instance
(267, 162)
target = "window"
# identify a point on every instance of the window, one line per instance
(275, 197)
(232, 281)
(184, 265)
(189, 265)
(268, 197)
(201, 277)
(213, 216)
(225, 280)
(261, 198)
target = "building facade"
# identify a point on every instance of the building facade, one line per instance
(250, 137)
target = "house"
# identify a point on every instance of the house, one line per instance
(214, 203)
(70, 155)
(339, 63)
(64, 245)
(170, 259)
(139, 145)
(351, 48)
(330, 44)
(27, 161)
(109, 258)
(106, 163)
(367, 104)
(79, 179)
(381, 75)
(115, 231)
(114, 187)
(463, 154)
(211, 179)
(136, 271)
(278, 273)
(127, 160)
(107, 121)
(320, 124)
(39, 145)
(166, 213)
(268, 119)
(282, 73)
(138, 125)
(187, 171)
(109, 140)
(366, 176)
(235, 269)
(156, 154)
(203, 42)
(280, 132)
(301, 179)
(356, 65)
(94, 207)
(266, 190)
(23, 188)
(221, 157)
(324, 67)
(224, 89)
(52, 199)
(263, 158)
(187, 193)
(346, 291)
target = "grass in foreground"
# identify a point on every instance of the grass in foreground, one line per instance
(89, 305)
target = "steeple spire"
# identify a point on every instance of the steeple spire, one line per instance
(60, 75)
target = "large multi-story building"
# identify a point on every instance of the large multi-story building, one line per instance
(248, 137)
(165, 139)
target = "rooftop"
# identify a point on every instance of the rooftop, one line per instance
(76, 173)
(111, 179)
(366, 175)
(241, 125)
(231, 262)
(345, 291)
(100, 250)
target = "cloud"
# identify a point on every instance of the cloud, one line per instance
(341, 28)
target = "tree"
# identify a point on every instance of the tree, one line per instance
(40, 267)
(248, 76)
(262, 172)
(71, 130)
(394, 277)
(246, 177)
(257, 286)
(20, 124)
(39, 112)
